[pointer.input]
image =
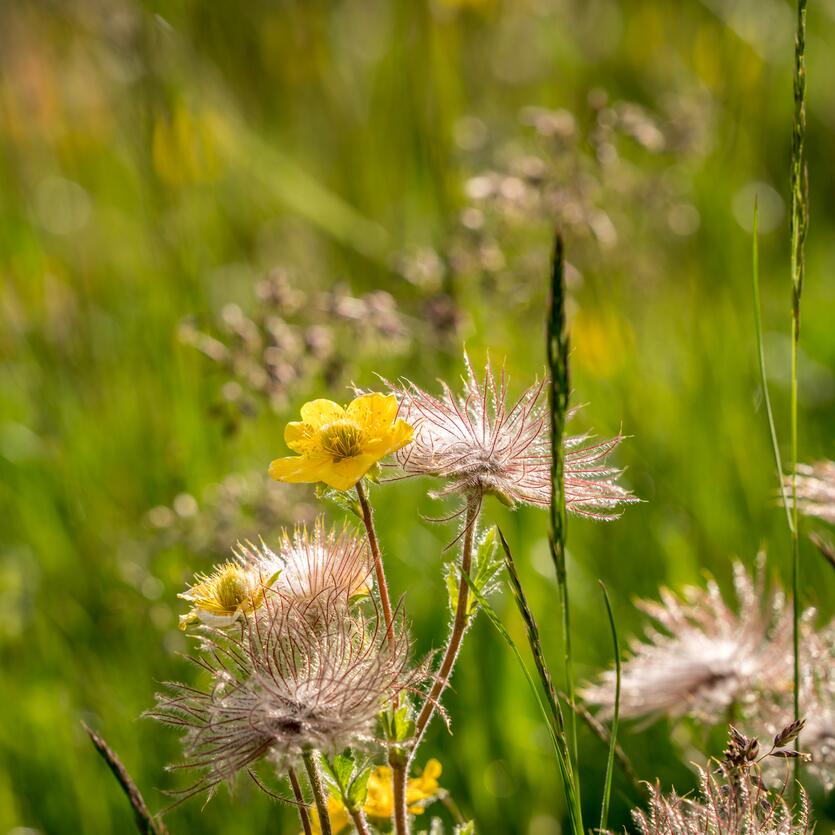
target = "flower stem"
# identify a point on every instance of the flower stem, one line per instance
(361, 824)
(302, 805)
(398, 768)
(459, 625)
(318, 792)
(399, 772)
(379, 572)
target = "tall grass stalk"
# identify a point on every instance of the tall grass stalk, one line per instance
(799, 223)
(558, 390)
(613, 739)
(775, 444)
(568, 767)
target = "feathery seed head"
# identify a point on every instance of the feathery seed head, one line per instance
(701, 656)
(288, 684)
(816, 490)
(481, 445)
(315, 562)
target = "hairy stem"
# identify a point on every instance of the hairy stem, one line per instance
(302, 804)
(400, 777)
(319, 796)
(459, 625)
(398, 769)
(360, 823)
(379, 572)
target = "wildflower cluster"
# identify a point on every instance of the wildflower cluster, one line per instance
(308, 662)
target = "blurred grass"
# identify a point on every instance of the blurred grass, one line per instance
(157, 158)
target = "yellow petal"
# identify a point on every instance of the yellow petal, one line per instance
(320, 412)
(299, 469)
(432, 770)
(390, 441)
(374, 412)
(343, 475)
(299, 436)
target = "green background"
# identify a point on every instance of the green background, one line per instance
(159, 158)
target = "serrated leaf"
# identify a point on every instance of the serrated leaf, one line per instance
(398, 724)
(358, 790)
(467, 828)
(343, 766)
(342, 499)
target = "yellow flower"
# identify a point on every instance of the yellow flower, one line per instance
(340, 445)
(220, 598)
(379, 803)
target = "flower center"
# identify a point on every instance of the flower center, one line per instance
(341, 439)
(231, 588)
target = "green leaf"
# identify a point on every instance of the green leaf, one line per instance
(342, 499)
(358, 790)
(487, 565)
(343, 766)
(398, 724)
(338, 772)
(467, 828)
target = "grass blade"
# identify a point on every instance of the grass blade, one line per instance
(557, 739)
(775, 446)
(145, 821)
(613, 740)
(553, 702)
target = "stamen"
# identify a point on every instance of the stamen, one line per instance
(341, 439)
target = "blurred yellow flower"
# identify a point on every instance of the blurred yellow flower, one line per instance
(220, 598)
(339, 445)
(379, 803)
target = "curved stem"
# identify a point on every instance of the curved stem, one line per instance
(459, 626)
(319, 796)
(361, 824)
(380, 574)
(302, 804)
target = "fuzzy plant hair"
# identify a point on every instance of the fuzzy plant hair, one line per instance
(300, 676)
(481, 443)
(699, 656)
(310, 562)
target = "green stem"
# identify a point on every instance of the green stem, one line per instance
(775, 446)
(558, 391)
(300, 801)
(319, 796)
(613, 740)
